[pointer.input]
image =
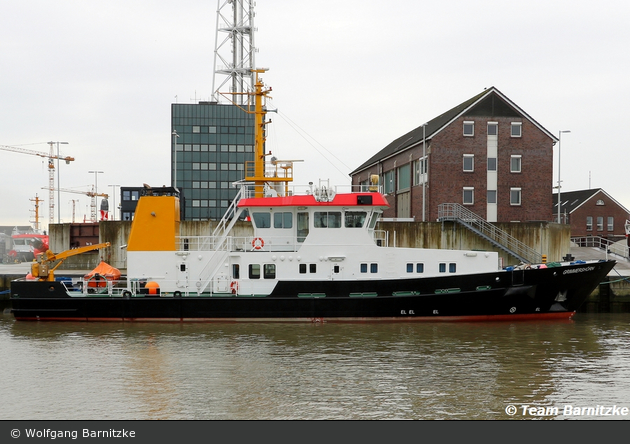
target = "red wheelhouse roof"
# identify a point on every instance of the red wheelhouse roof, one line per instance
(345, 200)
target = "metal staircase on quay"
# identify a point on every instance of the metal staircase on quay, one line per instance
(458, 213)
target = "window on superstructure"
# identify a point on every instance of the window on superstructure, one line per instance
(302, 226)
(442, 268)
(283, 220)
(373, 268)
(364, 268)
(302, 268)
(419, 268)
(254, 271)
(355, 219)
(409, 268)
(236, 271)
(452, 268)
(262, 220)
(312, 268)
(269, 271)
(327, 219)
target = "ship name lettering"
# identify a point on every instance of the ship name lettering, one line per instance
(578, 270)
(435, 312)
(403, 312)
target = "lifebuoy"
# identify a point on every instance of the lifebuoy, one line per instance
(258, 243)
(234, 287)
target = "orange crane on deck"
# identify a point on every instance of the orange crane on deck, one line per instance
(51, 156)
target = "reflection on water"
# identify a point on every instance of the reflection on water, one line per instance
(311, 371)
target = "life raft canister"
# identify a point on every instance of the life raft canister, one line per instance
(258, 243)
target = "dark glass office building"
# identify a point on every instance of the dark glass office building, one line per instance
(213, 142)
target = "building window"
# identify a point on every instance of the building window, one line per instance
(388, 182)
(492, 163)
(469, 129)
(196, 129)
(469, 162)
(599, 202)
(469, 196)
(516, 129)
(493, 128)
(404, 177)
(589, 223)
(420, 171)
(515, 196)
(492, 196)
(611, 223)
(515, 163)
(600, 223)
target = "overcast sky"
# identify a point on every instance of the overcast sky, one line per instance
(352, 76)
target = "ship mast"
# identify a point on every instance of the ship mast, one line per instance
(260, 171)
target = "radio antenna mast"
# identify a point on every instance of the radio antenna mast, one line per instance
(234, 54)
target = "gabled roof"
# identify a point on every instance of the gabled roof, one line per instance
(485, 100)
(572, 200)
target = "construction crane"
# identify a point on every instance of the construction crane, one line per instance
(92, 194)
(51, 156)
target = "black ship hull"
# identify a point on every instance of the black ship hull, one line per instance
(554, 292)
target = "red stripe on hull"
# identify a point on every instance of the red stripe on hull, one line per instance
(565, 315)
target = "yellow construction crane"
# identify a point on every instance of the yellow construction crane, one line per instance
(92, 194)
(51, 156)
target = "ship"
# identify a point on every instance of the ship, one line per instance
(314, 255)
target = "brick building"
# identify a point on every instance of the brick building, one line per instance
(486, 153)
(592, 213)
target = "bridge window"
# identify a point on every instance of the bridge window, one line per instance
(283, 220)
(327, 219)
(262, 220)
(302, 226)
(355, 219)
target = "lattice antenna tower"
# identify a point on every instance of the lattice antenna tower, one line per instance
(234, 50)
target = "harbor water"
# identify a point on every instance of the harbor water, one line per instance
(577, 369)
